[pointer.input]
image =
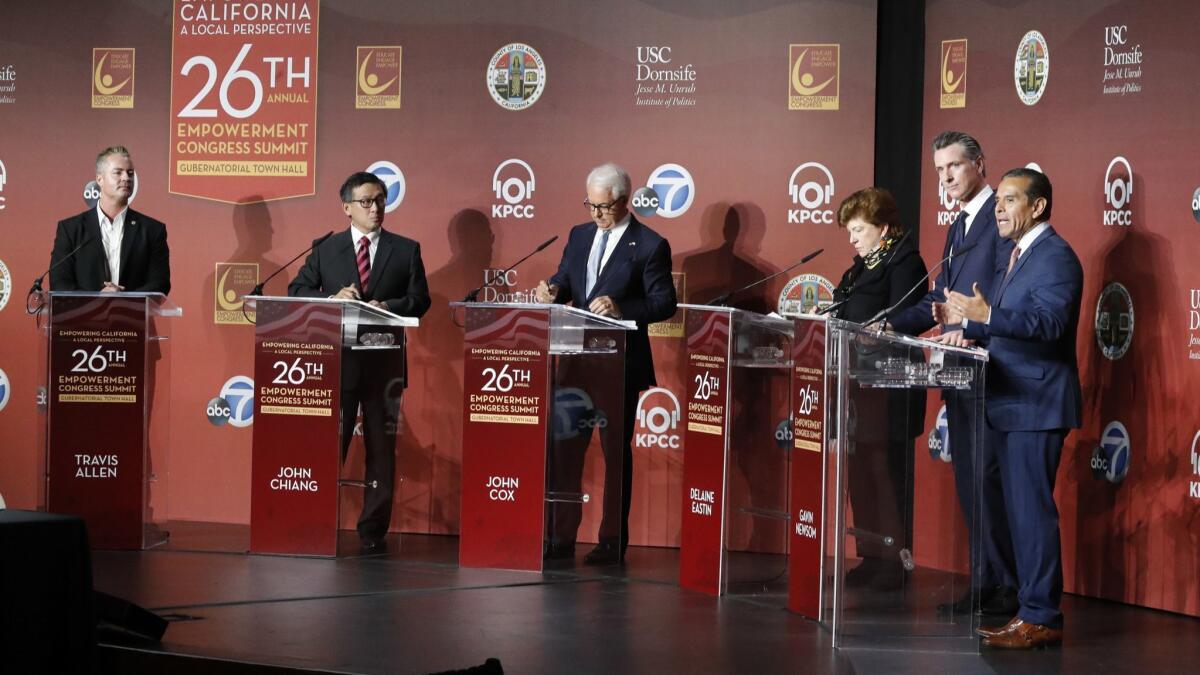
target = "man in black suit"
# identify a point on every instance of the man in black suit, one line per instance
(119, 249)
(383, 269)
(617, 267)
(959, 162)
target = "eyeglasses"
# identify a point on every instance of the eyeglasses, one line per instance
(379, 201)
(603, 208)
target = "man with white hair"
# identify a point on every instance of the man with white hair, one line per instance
(615, 266)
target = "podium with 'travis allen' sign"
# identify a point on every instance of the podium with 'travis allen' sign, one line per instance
(107, 394)
(303, 348)
(542, 384)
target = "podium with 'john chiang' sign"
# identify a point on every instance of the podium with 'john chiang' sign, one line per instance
(106, 402)
(304, 348)
(543, 386)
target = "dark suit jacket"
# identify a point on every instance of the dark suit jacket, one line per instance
(397, 280)
(867, 291)
(397, 275)
(975, 266)
(145, 258)
(1032, 374)
(638, 279)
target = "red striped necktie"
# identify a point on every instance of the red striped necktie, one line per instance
(364, 263)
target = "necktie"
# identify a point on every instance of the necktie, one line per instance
(595, 260)
(1012, 260)
(364, 264)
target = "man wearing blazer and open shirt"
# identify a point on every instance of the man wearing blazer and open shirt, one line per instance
(617, 267)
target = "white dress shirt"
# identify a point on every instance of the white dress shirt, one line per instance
(973, 207)
(111, 233)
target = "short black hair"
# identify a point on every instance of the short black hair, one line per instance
(1039, 186)
(357, 180)
(971, 148)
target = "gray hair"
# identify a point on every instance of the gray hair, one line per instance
(611, 177)
(971, 148)
(109, 152)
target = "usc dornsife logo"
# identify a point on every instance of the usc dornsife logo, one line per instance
(813, 76)
(954, 73)
(112, 77)
(377, 78)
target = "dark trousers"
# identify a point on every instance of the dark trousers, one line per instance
(372, 379)
(1028, 466)
(564, 473)
(991, 554)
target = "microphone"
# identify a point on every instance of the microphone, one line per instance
(883, 313)
(473, 296)
(723, 300)
(37, 283)
(258, 288)
(839, 303)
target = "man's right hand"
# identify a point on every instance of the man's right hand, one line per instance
(348, 293)
(953, 338)
(545, 293)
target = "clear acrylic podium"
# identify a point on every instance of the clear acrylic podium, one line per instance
(737, 449)
(875, 388)
(542, 384)
(299, 360)
(106, 400)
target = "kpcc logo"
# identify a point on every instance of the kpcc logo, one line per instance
(1110, 459)
(946, 213)
(393, 180)
(514, 189)
(814, 194)
(658, 412)
(675, 189)
(234, 405)
(1118, 192)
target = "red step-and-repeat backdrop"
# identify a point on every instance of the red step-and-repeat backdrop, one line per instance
(1103, 98)
(752, 120)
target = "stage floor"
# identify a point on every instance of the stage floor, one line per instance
(413, 610)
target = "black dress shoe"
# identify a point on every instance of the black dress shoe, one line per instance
(560, 551)
(605, 554)
(373, 546)
(1002, 601)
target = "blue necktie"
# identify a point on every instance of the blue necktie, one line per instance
(595, 260)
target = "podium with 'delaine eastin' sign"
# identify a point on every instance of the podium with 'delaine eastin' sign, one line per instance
(303, 348)
(543, 385)
(106, 404)
(737, 448)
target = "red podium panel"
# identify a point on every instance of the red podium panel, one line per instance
(100, 382)
(809, 371)
(702, 519)
(296, 456)
(506, 404)
(543, 385)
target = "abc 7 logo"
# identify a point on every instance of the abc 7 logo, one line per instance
(91, 193)
(814, 193)
(783, 434)
(1118, 189)
(939, 438)
(575, 413)
(393, 180)
(1110, 459)
(514, 189)
(1196, 205)
(234, 405)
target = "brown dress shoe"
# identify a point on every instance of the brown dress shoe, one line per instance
(1026, 636)
(993, 631)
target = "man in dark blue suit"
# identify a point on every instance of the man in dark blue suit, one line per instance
(617, 267)
(1029, 328)
(962, 175)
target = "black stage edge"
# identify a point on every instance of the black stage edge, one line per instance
(413, 610)
(899, 93)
